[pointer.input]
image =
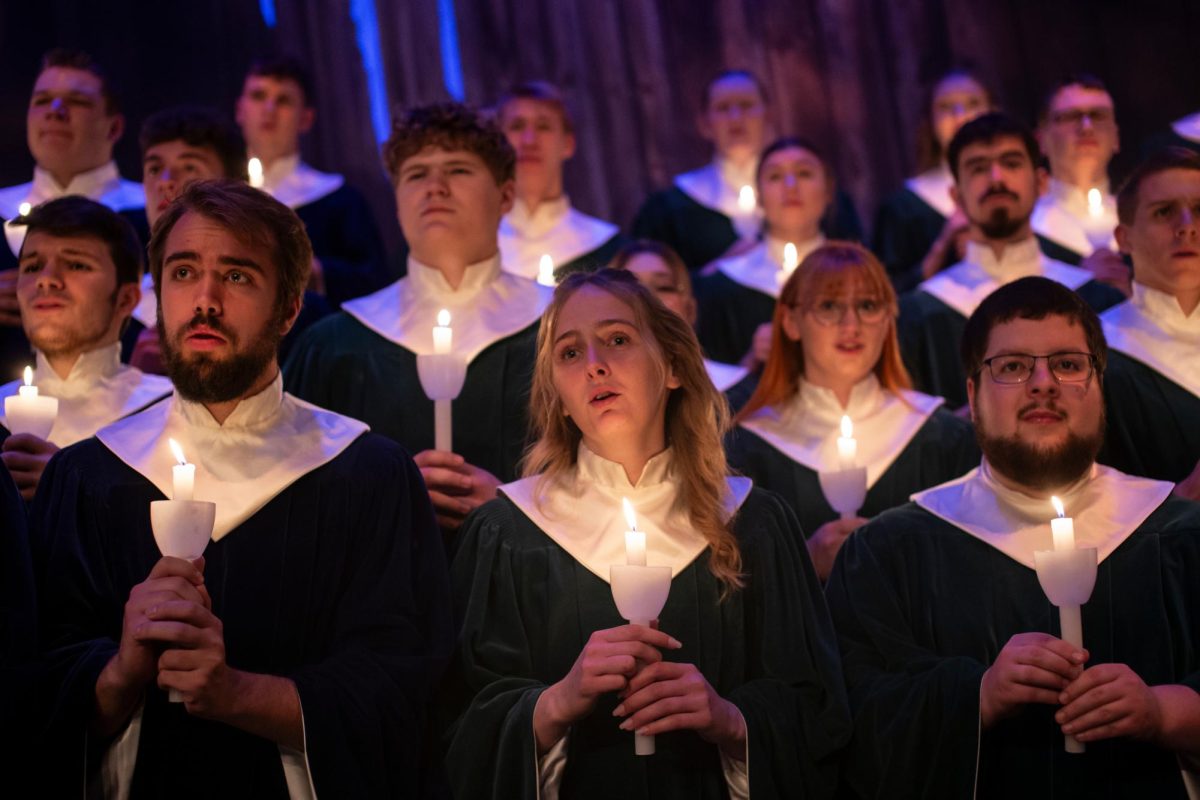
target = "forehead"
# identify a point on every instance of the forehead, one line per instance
(45, 243)
(435, 156)
(791, 155)
(270, 83)
(646, 263)
(957, 86)
(1171, 184)
(588, 307)
(1076, 96)
(68, 79)
(177, 148)
(733, 87)
(209, 238)
(1054, 333)
(999, 146)
(530, 107)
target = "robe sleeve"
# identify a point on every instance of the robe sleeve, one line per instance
(365, 705)
(352, 256)
(17, 625)
(916, 713)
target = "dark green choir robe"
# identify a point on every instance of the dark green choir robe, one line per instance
(345, 239)
(344, 366)
(1153, 423)
(526, 608)
(338, 583)
(923, 608)
(18, 621)
(905, 228)
(943, 449)
(594, 259)
(728, 314)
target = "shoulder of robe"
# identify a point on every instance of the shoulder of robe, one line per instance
(1176, 516)
(763, 518)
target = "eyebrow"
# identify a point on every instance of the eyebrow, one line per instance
(229, 261)
(604, 323)
(194, 155)
(455, 162)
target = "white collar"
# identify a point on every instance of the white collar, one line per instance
(98, 391)
(806, 427)
(1152, 328)
(724, 376)
(1061, 214)
(933, 186)
(294, 183)
(1107, 507)
(488, 306)
(964, 285)
(761, 267)
(1188, 127)
(583, 514)
(555, 229)
(717, 186)
(269, 442)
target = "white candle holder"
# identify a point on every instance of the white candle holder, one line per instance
(1068, 578)
(845, 490)
(182, 529)
(640, 594)
(33, 415)
(442, 376)
(1098, 233)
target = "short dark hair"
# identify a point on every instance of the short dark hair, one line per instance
(543, 92)
(1034, 298)
(449, 126)
(198, 126)
(785, 142)
(75, 215)
(1084, 80)
(1161, 160)
(254, 218)
(988, 128)
(706, 97)
(929, 149)
(284, 68)
(71, 58)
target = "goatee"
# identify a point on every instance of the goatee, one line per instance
(201, 378)
(1041, 468)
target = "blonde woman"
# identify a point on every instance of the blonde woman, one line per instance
(739, 681)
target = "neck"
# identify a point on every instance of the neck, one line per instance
(453, 265)
(1028, 491)
(632, 457)
(1084, 176)
(268, 159)
(841, 388)
(1187, 299)
(739, 160)
(64, 178)
(794, 235)
(221, 411)
(998, 245)
(533, 196)
(62, 363)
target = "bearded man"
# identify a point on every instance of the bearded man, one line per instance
(307, 639)
(958, 680)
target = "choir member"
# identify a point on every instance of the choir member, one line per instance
(306, 641)
(535, 118)
(1152, 384)
(958, 683)
(737, 297)
(276, 107)
(709, 210)
(73, 121)
(738, 680)
(79, 270)
(834, 354)
(1077, 130)
(453, 174)
(997, 180)
(919, 230)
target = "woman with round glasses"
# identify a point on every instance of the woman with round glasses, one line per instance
(739, 681)
(834, 353)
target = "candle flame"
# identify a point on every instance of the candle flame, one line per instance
(746, 199)
(1058, 506)
(630, 517)
(791, 257)
(847, 427)
(1095, 202)
(254, 169)
(546, 270)
(443, 318)
(177, 451)
(24, 209)
(28, 376)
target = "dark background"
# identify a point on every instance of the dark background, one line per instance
(850, 75)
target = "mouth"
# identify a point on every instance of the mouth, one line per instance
(1184, 254)
(48, 304)
(850, 348)
(203, 338)
(431, 210)
(999, 196)
(1042, 416)
(603, 398)
(529, 158)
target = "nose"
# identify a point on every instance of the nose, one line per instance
(168, 186)
(789, 180)
(597, 366)
(528, 135)
(1187, 223)
(51, 275)
(1042, 382)
(209, 291)
(996, 171)
(58, 108)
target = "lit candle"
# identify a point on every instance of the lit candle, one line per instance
(846, 444)
(443, 335)
(183, 474)
(1095, 202)
(28, 390)
(791, 258)
(635, 540)
(24, 209)
(1063, 527)
(254, 169)
(27, 412)
(546, 270)
(746, 200)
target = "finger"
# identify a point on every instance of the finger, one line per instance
(182, 589)
(1109, 714)
(19, 461)
(635, 651)
(175, 634)
(1089, 680)
(178, 659)
(1030, 694)
(439, 458)
(671, 704)
(642, 633)
(651, 673)
(169, 566)
(181, 611)
(1053, 655)
(446, 505)
(445, 479)
(687, 721)
(1038, 667)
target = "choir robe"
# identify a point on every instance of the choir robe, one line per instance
(1062, 216)
(1183, 132)
(922, 608)
(18, 619)
(932, 451)
(338, 583)
(574, 241)
(365, 367)
(909, 221)
(526, 608)
(930, 327)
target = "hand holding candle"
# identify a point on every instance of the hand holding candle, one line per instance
(28, 412)
(442, 374)
(845, 488)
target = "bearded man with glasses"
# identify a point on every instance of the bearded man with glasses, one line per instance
(957, 679)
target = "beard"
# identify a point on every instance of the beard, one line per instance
(1041, 468)
(1000, 224)
(202, 378)
(90, 328)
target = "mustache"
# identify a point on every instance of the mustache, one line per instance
(209, 321)
(999, 191)
(1046, 406)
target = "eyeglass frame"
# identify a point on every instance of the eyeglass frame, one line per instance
(1098, 116)
(810, 309)
(1091, 360)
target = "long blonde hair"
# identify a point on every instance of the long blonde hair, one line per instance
(697, 415)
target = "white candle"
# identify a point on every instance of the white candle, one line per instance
(24, 209)
(635, 540)
(27, 412)
(254, 169)
(1095, 202)
(1062, 528)
(747, 200)
(443, 335)
(847, 445)
(183, 474)
(791, 258)
(546, 270)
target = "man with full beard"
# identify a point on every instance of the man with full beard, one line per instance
(957, 679)
(305, 641)
(995, 162)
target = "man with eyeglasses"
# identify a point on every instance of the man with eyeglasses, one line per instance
(997, 179)
(1077, 131)
(1152, 386)
(957, 679)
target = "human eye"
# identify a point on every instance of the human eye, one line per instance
(619, 339)
(1068, 363)
(181, 273)
(39, 100)
(31, 266)
(1011, 365)
(152, 170)
(79, 266)
(239, 277)
(567, 352)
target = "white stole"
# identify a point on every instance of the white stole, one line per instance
(1151, 328)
